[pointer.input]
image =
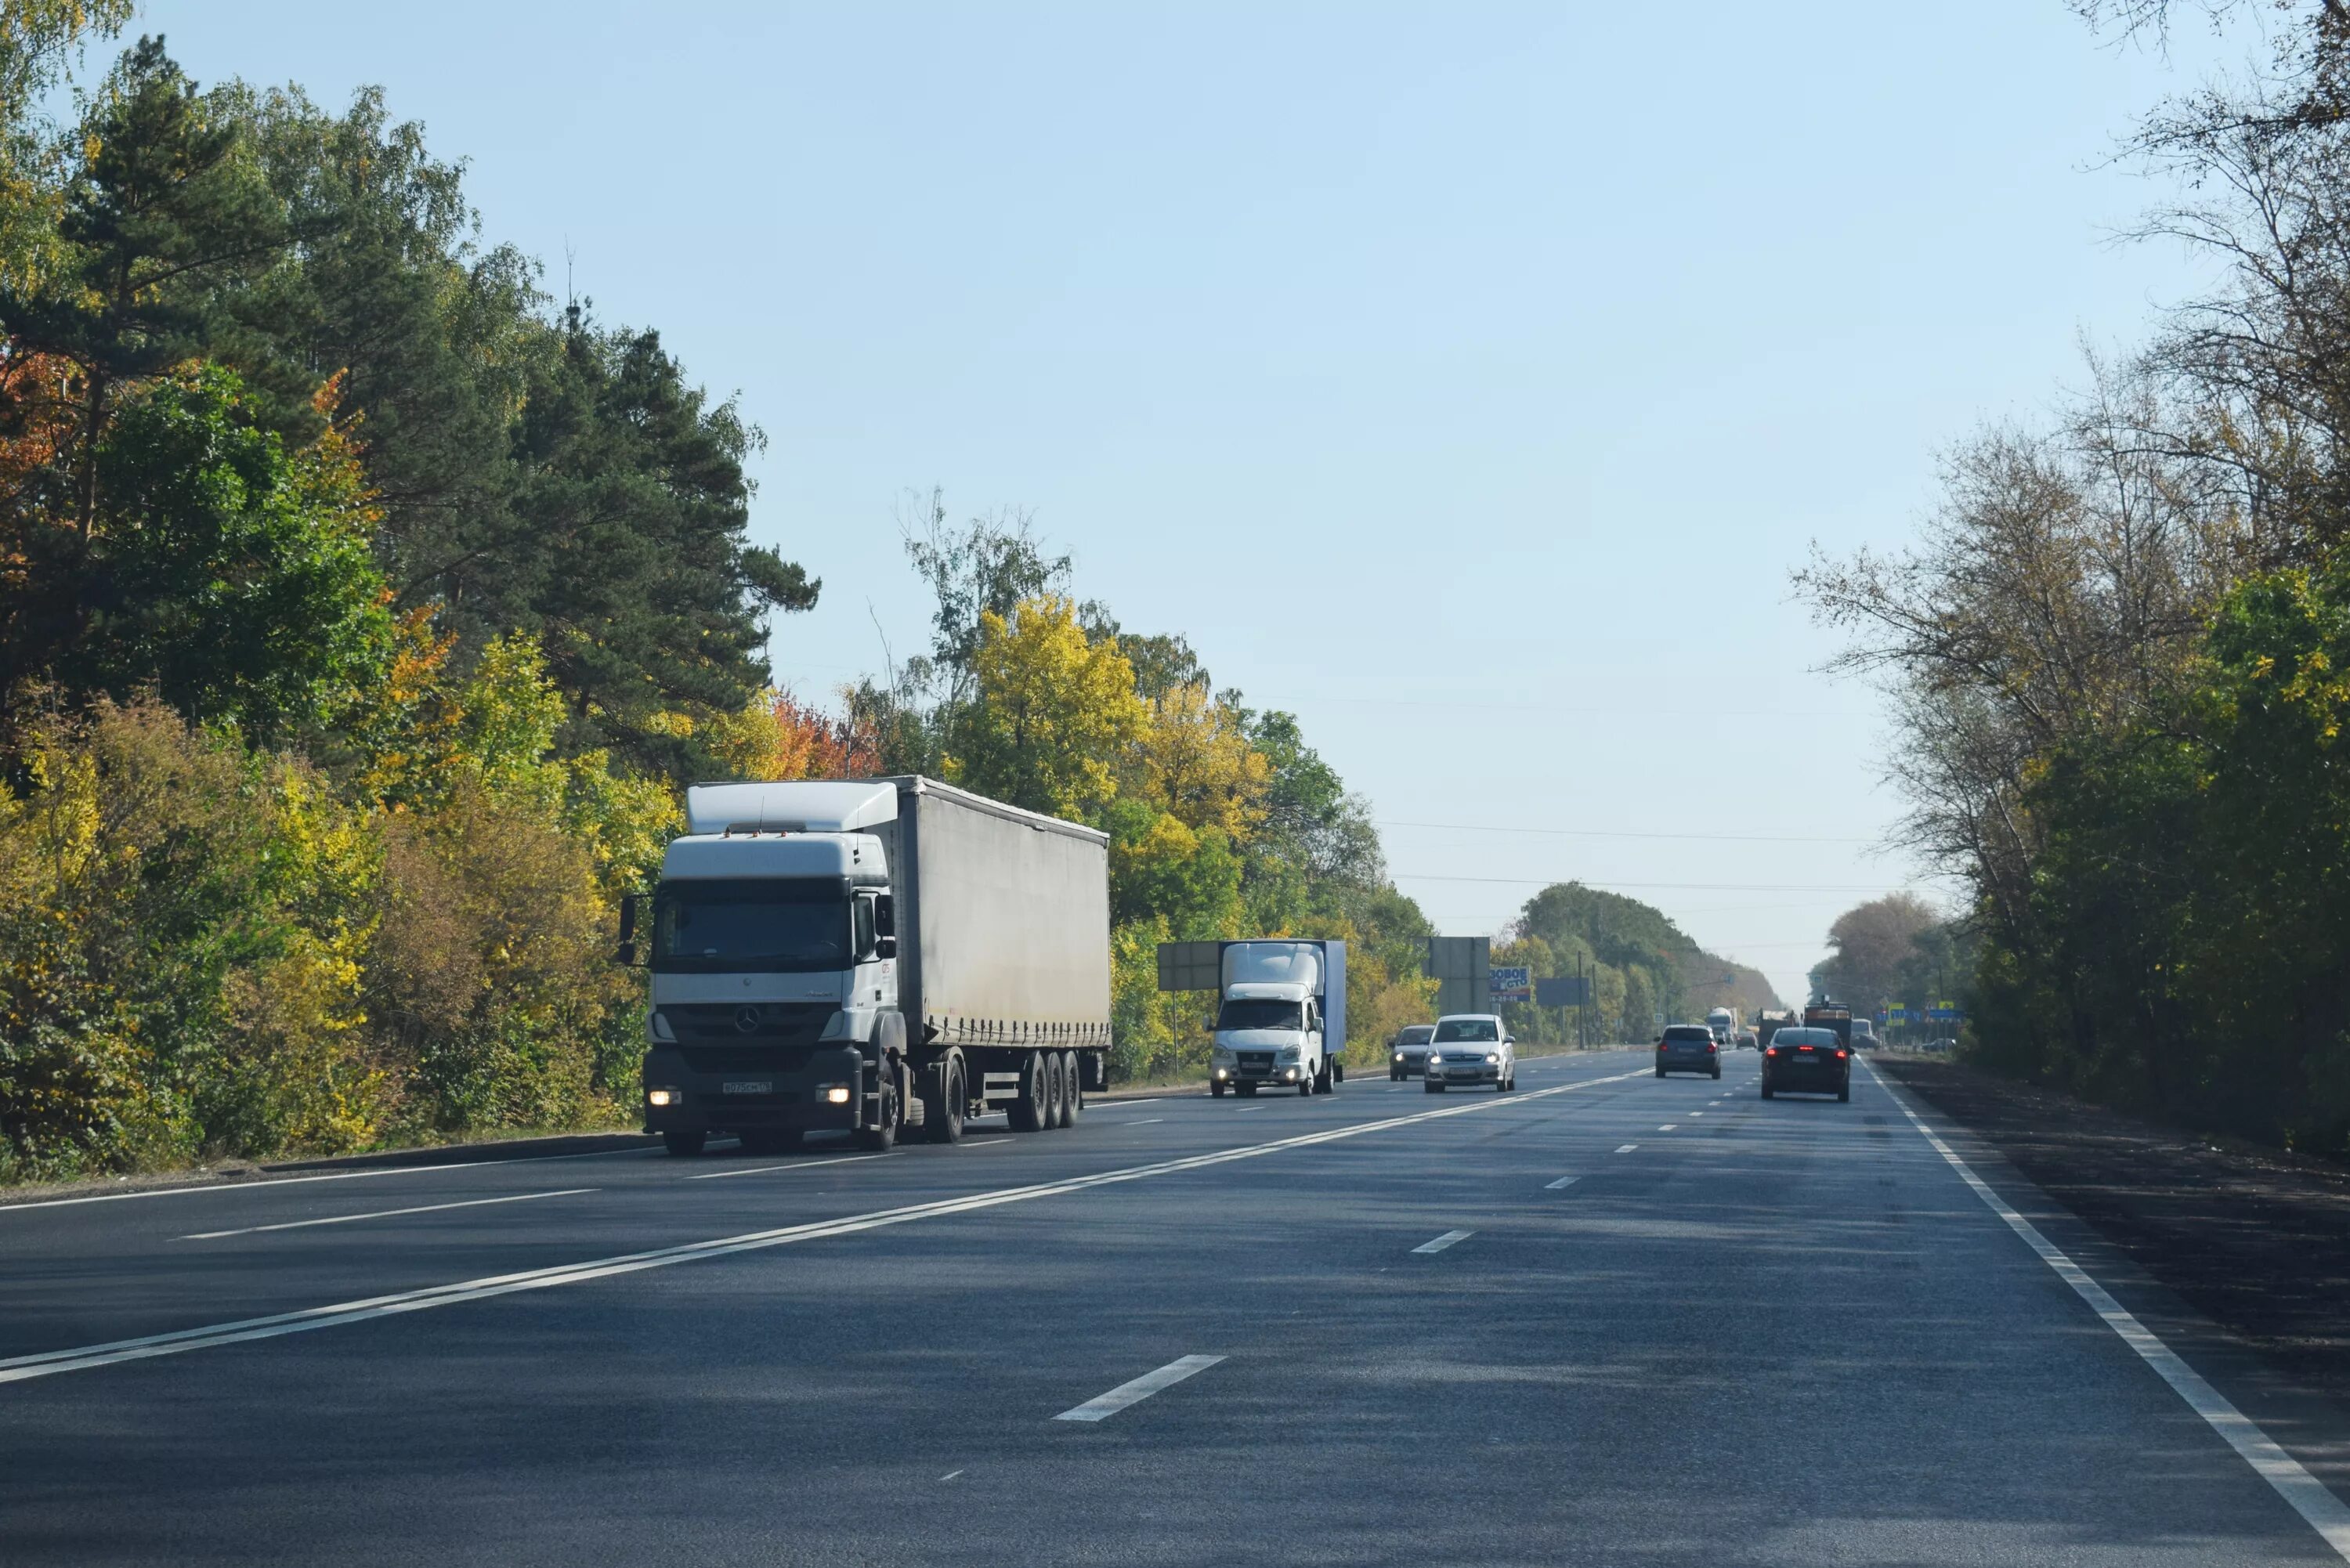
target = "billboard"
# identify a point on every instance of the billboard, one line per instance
(1511, 983)
(1570, 990)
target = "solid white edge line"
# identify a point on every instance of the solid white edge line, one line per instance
(43, 1363)
(2309, 1497)
(264, 1185)
(1447, 1239)
(798, 1165)
(387, 1213)
(1101, 1407)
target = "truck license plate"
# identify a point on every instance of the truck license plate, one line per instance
(749, 1086)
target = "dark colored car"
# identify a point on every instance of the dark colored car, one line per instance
(1407, 1052)
(1689, 1048)
(1807, 1062)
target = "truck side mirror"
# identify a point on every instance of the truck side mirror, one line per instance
(885, 920)
(626, 953)
(884, 947)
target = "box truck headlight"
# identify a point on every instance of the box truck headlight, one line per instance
(1291, 1073)
(664, 1097)
(836, 1094)
(1220, 1073)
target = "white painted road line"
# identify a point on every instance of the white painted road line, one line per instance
(1145, 1122)
(1562, 1181)
(1627, 1148)
(989, 1143)
(47, 1363)
(2308, 1497)
(445, 1167)
(387, 1213)
(798, 1165)
(1447, 1239)
(1103, 1406)
(1669, 1127)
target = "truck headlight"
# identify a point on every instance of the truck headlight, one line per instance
(1292, 1073)
(1220, 1073)
(664, 1097)
(836, 1094)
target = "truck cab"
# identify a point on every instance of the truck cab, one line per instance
(1277, 1023)
(773, 967)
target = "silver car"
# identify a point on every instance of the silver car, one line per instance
(1407, 1052)
(1469, 1050)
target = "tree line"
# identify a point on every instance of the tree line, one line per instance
(363, 608)
(1642, 968)
(2120, 651)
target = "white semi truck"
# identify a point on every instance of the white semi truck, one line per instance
(875, 956)
(1281, 1021)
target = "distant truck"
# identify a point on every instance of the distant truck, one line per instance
(1830, 1015)
(1721, 1022)
(876, 956)
(1282, 1019)
(1769, 1022)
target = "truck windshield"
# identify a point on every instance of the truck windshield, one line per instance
(1261, 1014)
(750, 924)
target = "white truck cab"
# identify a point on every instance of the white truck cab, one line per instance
(1282, 1019)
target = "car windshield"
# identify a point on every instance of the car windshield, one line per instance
(1479, 1030)
(1417, 1034)
(759, 924)
(1261, 1014)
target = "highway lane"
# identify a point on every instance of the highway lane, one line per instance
(1652, 1363)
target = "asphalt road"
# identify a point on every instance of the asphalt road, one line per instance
(1605, 1320)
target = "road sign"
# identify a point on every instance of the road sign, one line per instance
(1569, 991)
(1191, 966)
(1512, 982)
(1459, 966)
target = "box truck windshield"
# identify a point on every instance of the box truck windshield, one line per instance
(762, 924)
(1261, 1014)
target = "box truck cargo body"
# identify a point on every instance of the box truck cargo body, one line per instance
(1282, 1019)
(876, 956)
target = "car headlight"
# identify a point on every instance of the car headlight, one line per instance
(1493, 1058)
(1399, 1055)
(664, 1097)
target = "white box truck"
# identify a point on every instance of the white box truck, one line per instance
(869, 956)
(1281, 1019)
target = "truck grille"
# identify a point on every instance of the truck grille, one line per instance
(1256, 1061)
(772, 1023)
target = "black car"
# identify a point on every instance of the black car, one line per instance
(1689, 1048)
(1807, 1062)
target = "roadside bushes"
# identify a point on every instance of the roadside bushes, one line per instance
(207, 949)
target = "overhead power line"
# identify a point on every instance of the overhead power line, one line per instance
(1613, 886)
(1610, 833)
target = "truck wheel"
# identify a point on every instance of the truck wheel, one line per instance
(1029, 1105)
(1321, 1079)
(881, 1138)
(1338, 1070)
(1306, 1086)
(1073, 1089)
(942, 1116)
(1056, 1091)
(684, 1144)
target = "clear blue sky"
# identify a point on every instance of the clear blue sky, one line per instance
(1464, 378)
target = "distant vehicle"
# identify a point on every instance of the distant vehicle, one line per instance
(1723, 1022)
(1689, 1048)
(1282, 1023)
(1769, 1022)
(1829, 1014)
(1864, 1035)
(1407, 1052)
(1808, 1061)
(1471, 1048)
(1747, 1041)
(1944, 1044)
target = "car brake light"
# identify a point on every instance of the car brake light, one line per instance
(1712, 1046)
(1770, 1050)
(1841, 1055)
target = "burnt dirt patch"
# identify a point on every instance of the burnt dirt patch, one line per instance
(2257, 1240)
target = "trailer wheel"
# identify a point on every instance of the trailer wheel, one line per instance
(685, 1145)
(1029, 1106)
(1073, 1088)
(942, 1114)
